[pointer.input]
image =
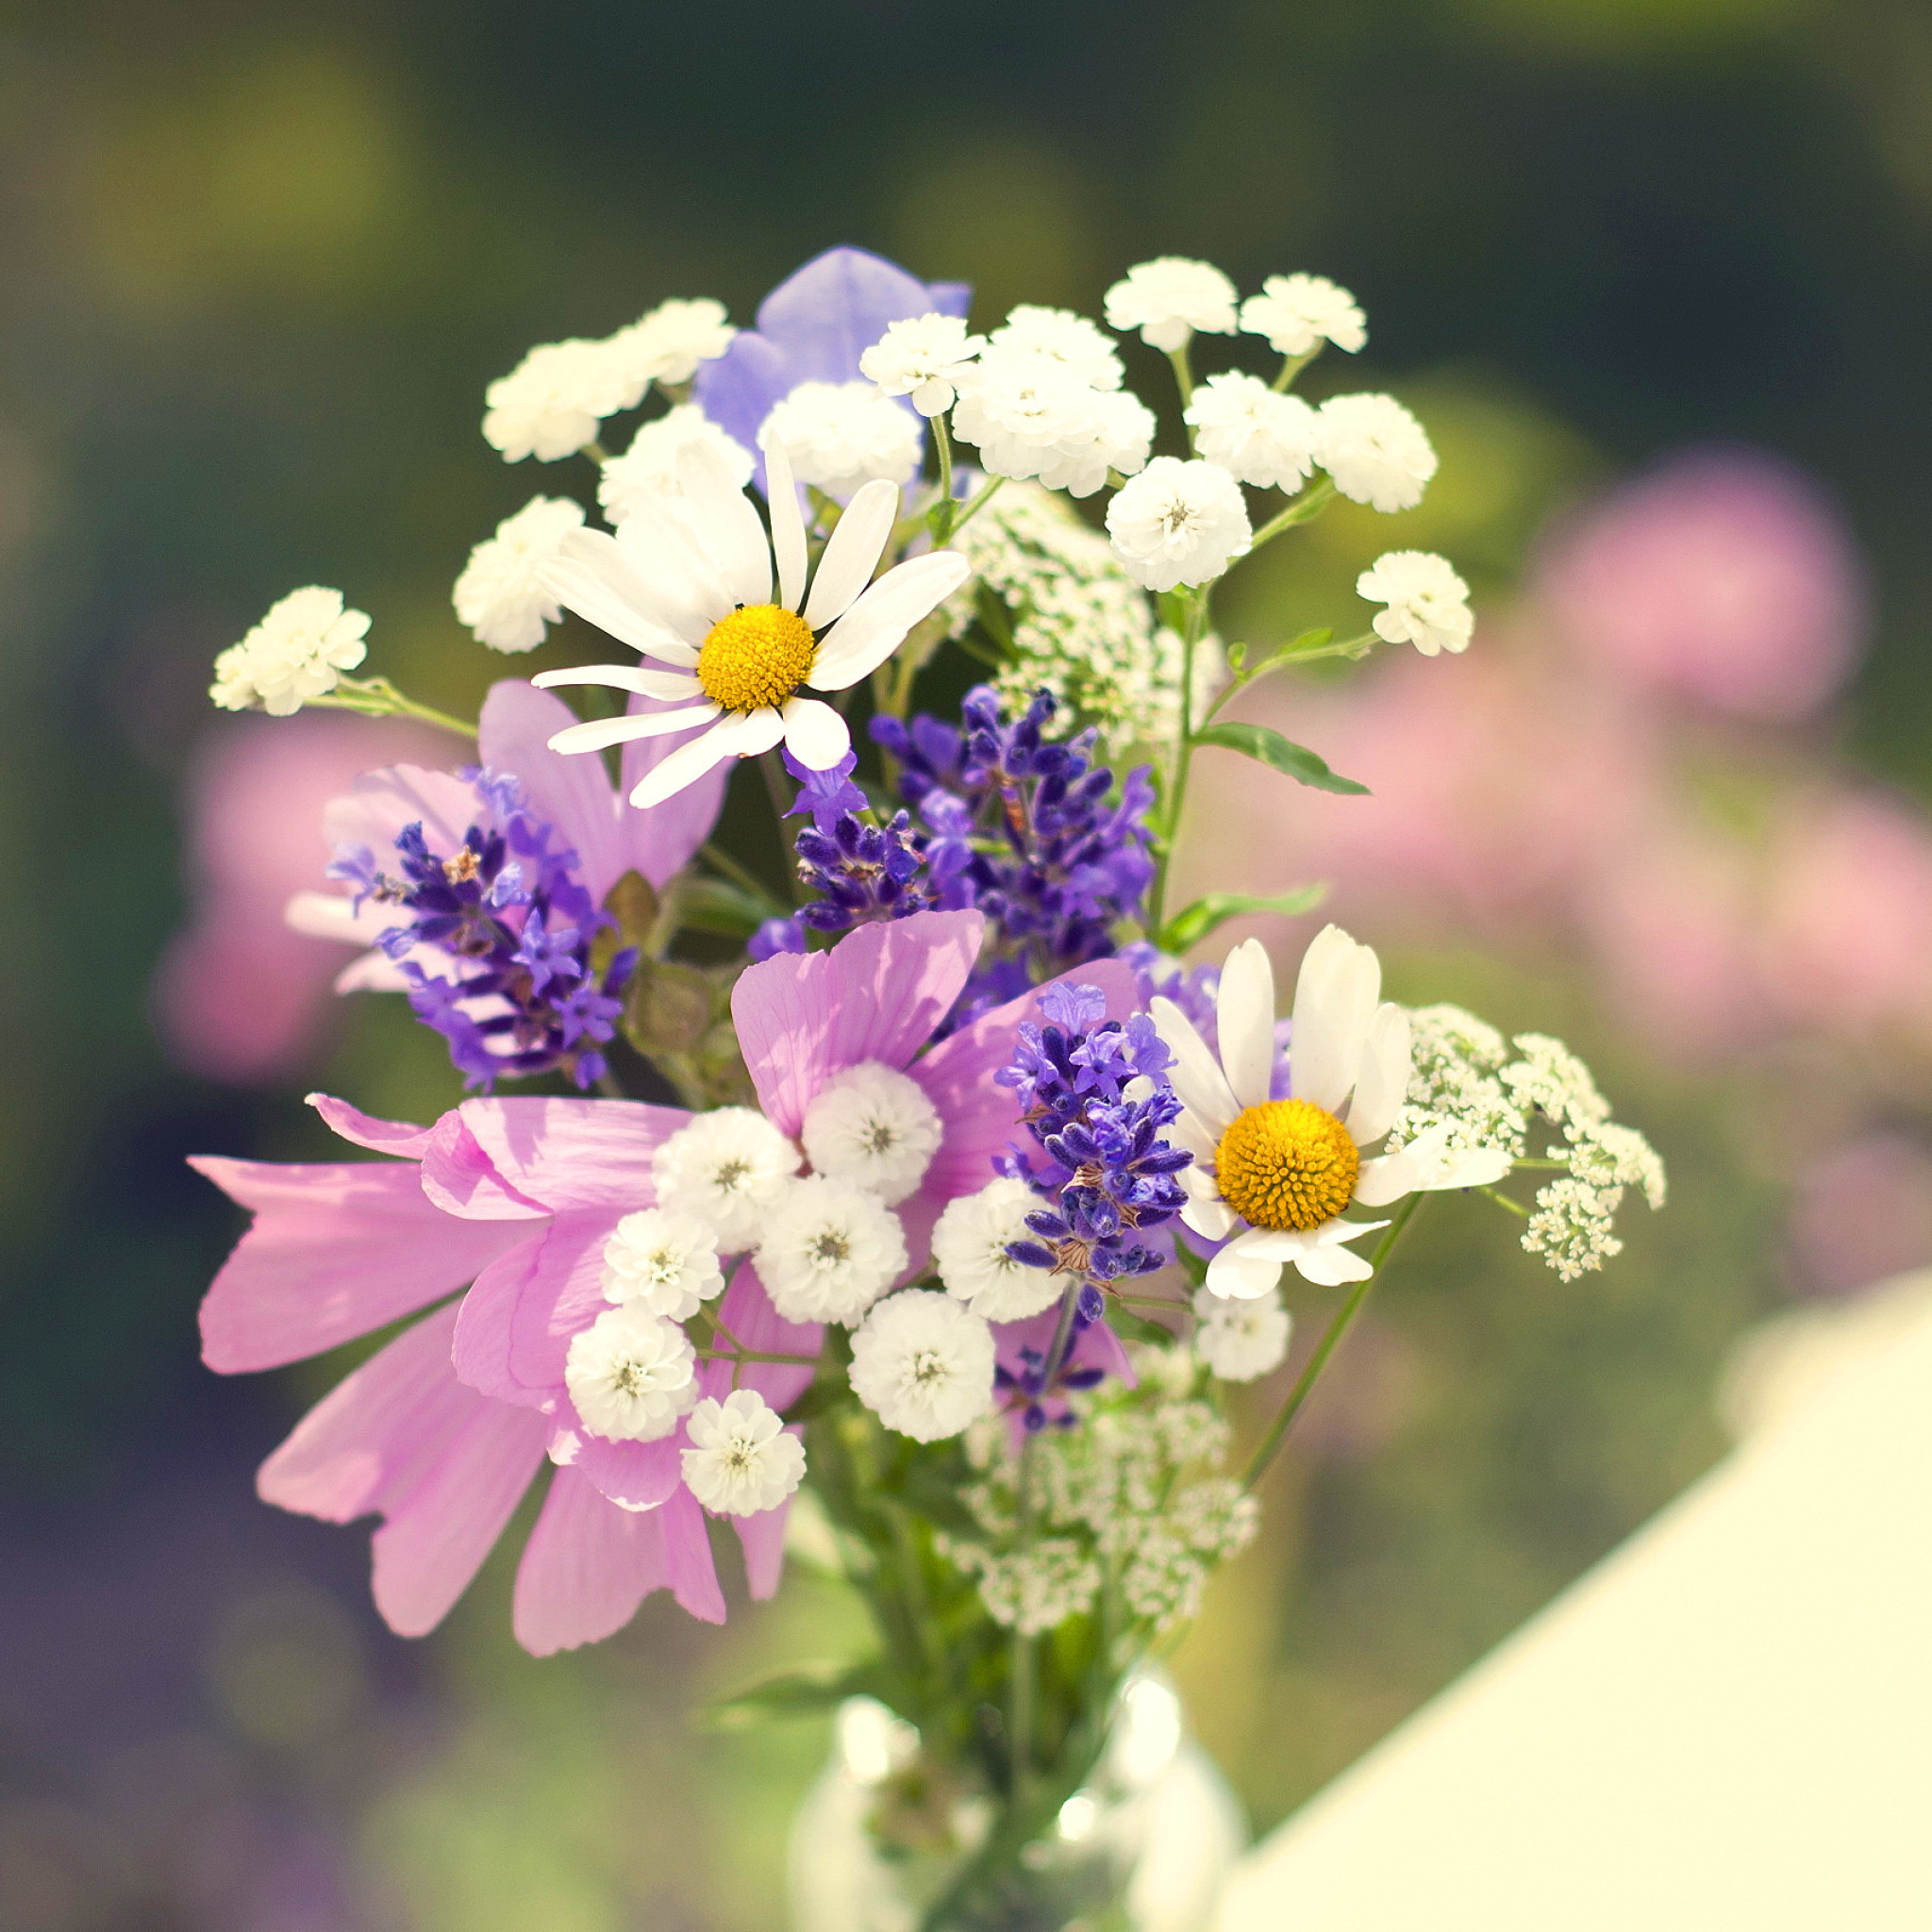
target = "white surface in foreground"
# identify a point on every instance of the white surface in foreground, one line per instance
(1727, 1724)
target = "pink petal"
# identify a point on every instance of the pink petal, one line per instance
(687, 1555)
(518, 1320)
(402, 1138)
(587, 1567)
(659, 841)
(334, 1252)
(381, 804)
(462, 1180)
(638, 1476)
(403, 1437)
(762, 1537)
(573, 794)
(572, 1152)
(876, 995)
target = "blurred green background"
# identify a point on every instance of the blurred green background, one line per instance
(260, 263)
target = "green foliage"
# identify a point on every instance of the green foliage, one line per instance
(1278, 753)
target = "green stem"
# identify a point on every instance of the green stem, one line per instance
(1184, 378)
(1503, 1200)
(1265, 1450)
(753, 1355)
(377, 697)
(976, 503)
(1020, 1688)
(1292, 366)
(1191, 630)
(1307, 506)
(740, 875)
(942, 511)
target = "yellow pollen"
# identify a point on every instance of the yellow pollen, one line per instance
(1287, 1163)
(759, 655)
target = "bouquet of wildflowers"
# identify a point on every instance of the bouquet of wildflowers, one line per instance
(911, 1208)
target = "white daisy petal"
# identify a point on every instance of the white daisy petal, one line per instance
(1196, 1073)
(1382, 1080)
(853, 553)
(1245, 1020)
(1331, 1266)
(815, 734)
(596, 734)
(725, 524)
(1334, 997)
(1212, 1219)
(688, 591)
(666, 686)
(729, 737)
(875, 627)
(787, 526)
(592, 575)
(1239, 1274)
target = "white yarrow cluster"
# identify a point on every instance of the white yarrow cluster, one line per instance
(742, 1460)
(1035, 411)
(1295, 313)
(969, 1249)
(1178, 522)
(827, 1250)
(872, 1126)
(499, 595)
(1256, 435)
(923, 1364)
(1035, 1589)
(1171, 298)
(1428, 603)
(840, 436)
(726, 1168)
(631, 1376)
(297, 653)
(647, 470)
(666, 346)
(1241, 1341)
(663, 1261)
(925, 359)
(1376, 452)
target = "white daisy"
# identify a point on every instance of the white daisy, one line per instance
(1169, 298)
(631, 1376)
(499, 595)
(827, 1250)
(969, 1249)
(1428, 603)
(298, 652)
(840, 436)
(1295, 312)
(742, 1460)
(726, 1168)
(1377, 453)
(662, 1261)
(688, 580)
(1276, 1175)
(1253, 433)
(924, 1365)
(873, 1126)
(1241, 1342)
(648, 469)
(1178, 523)
(923, 358)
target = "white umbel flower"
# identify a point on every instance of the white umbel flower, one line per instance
(741, 1461)
(1270, 1177)
(922, 1364)
(1169, 299)
(1242, 1341)
(1377, 453)
(667, 345)
(499, 595)
(1060, 336)
(725, 1169)
(631, 1376)
(1295, 312)
(840, 436)
(297, 652)
(1256, 435)
(969, 1249)
(1178, 523)
(922, 358)
(549, 406)
(688, 580)
(873, 1126)
(663, 1261)
(1428, 603)
(648, 469)
(829, 1250)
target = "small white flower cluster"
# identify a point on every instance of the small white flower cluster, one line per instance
(550, 405)
(500, 595)
(1466, 1081)
(840, 436)
(1079, 626)
(297, 653)
(1133, 1493)
(1241, 1341)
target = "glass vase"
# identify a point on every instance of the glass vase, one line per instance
(1143, 1845)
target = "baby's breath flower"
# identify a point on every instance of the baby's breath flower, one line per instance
(1059, 335)
(667, 345)
(661, 1261)
(1376, 452)
(1428, 603)
(1178, 523)
(549, 406)
(647, 470)
(842, 435)
(1241, 1341)
(827, 1250)
(1295, 312)
(923, 1364)
(498, 595)
(727, 1168)
(297, 652)
(1170, 298)
(922, 358)
(631, 1376)
(873, 1126)
(1261, 437)
(742, 1460)
(969, 1245)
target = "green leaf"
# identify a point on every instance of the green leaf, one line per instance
(716, 905)
(1308, 640)
(1197, 921)
(807, 1693)
(1272, 749)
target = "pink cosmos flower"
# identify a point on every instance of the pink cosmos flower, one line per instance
(573, 795)
(442, 1432)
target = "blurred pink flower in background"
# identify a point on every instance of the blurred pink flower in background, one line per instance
(1722, 576)
(1863, 1211)
(238, 996)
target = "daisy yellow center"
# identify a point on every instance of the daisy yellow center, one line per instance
(1287, 1163)
(759, 655)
